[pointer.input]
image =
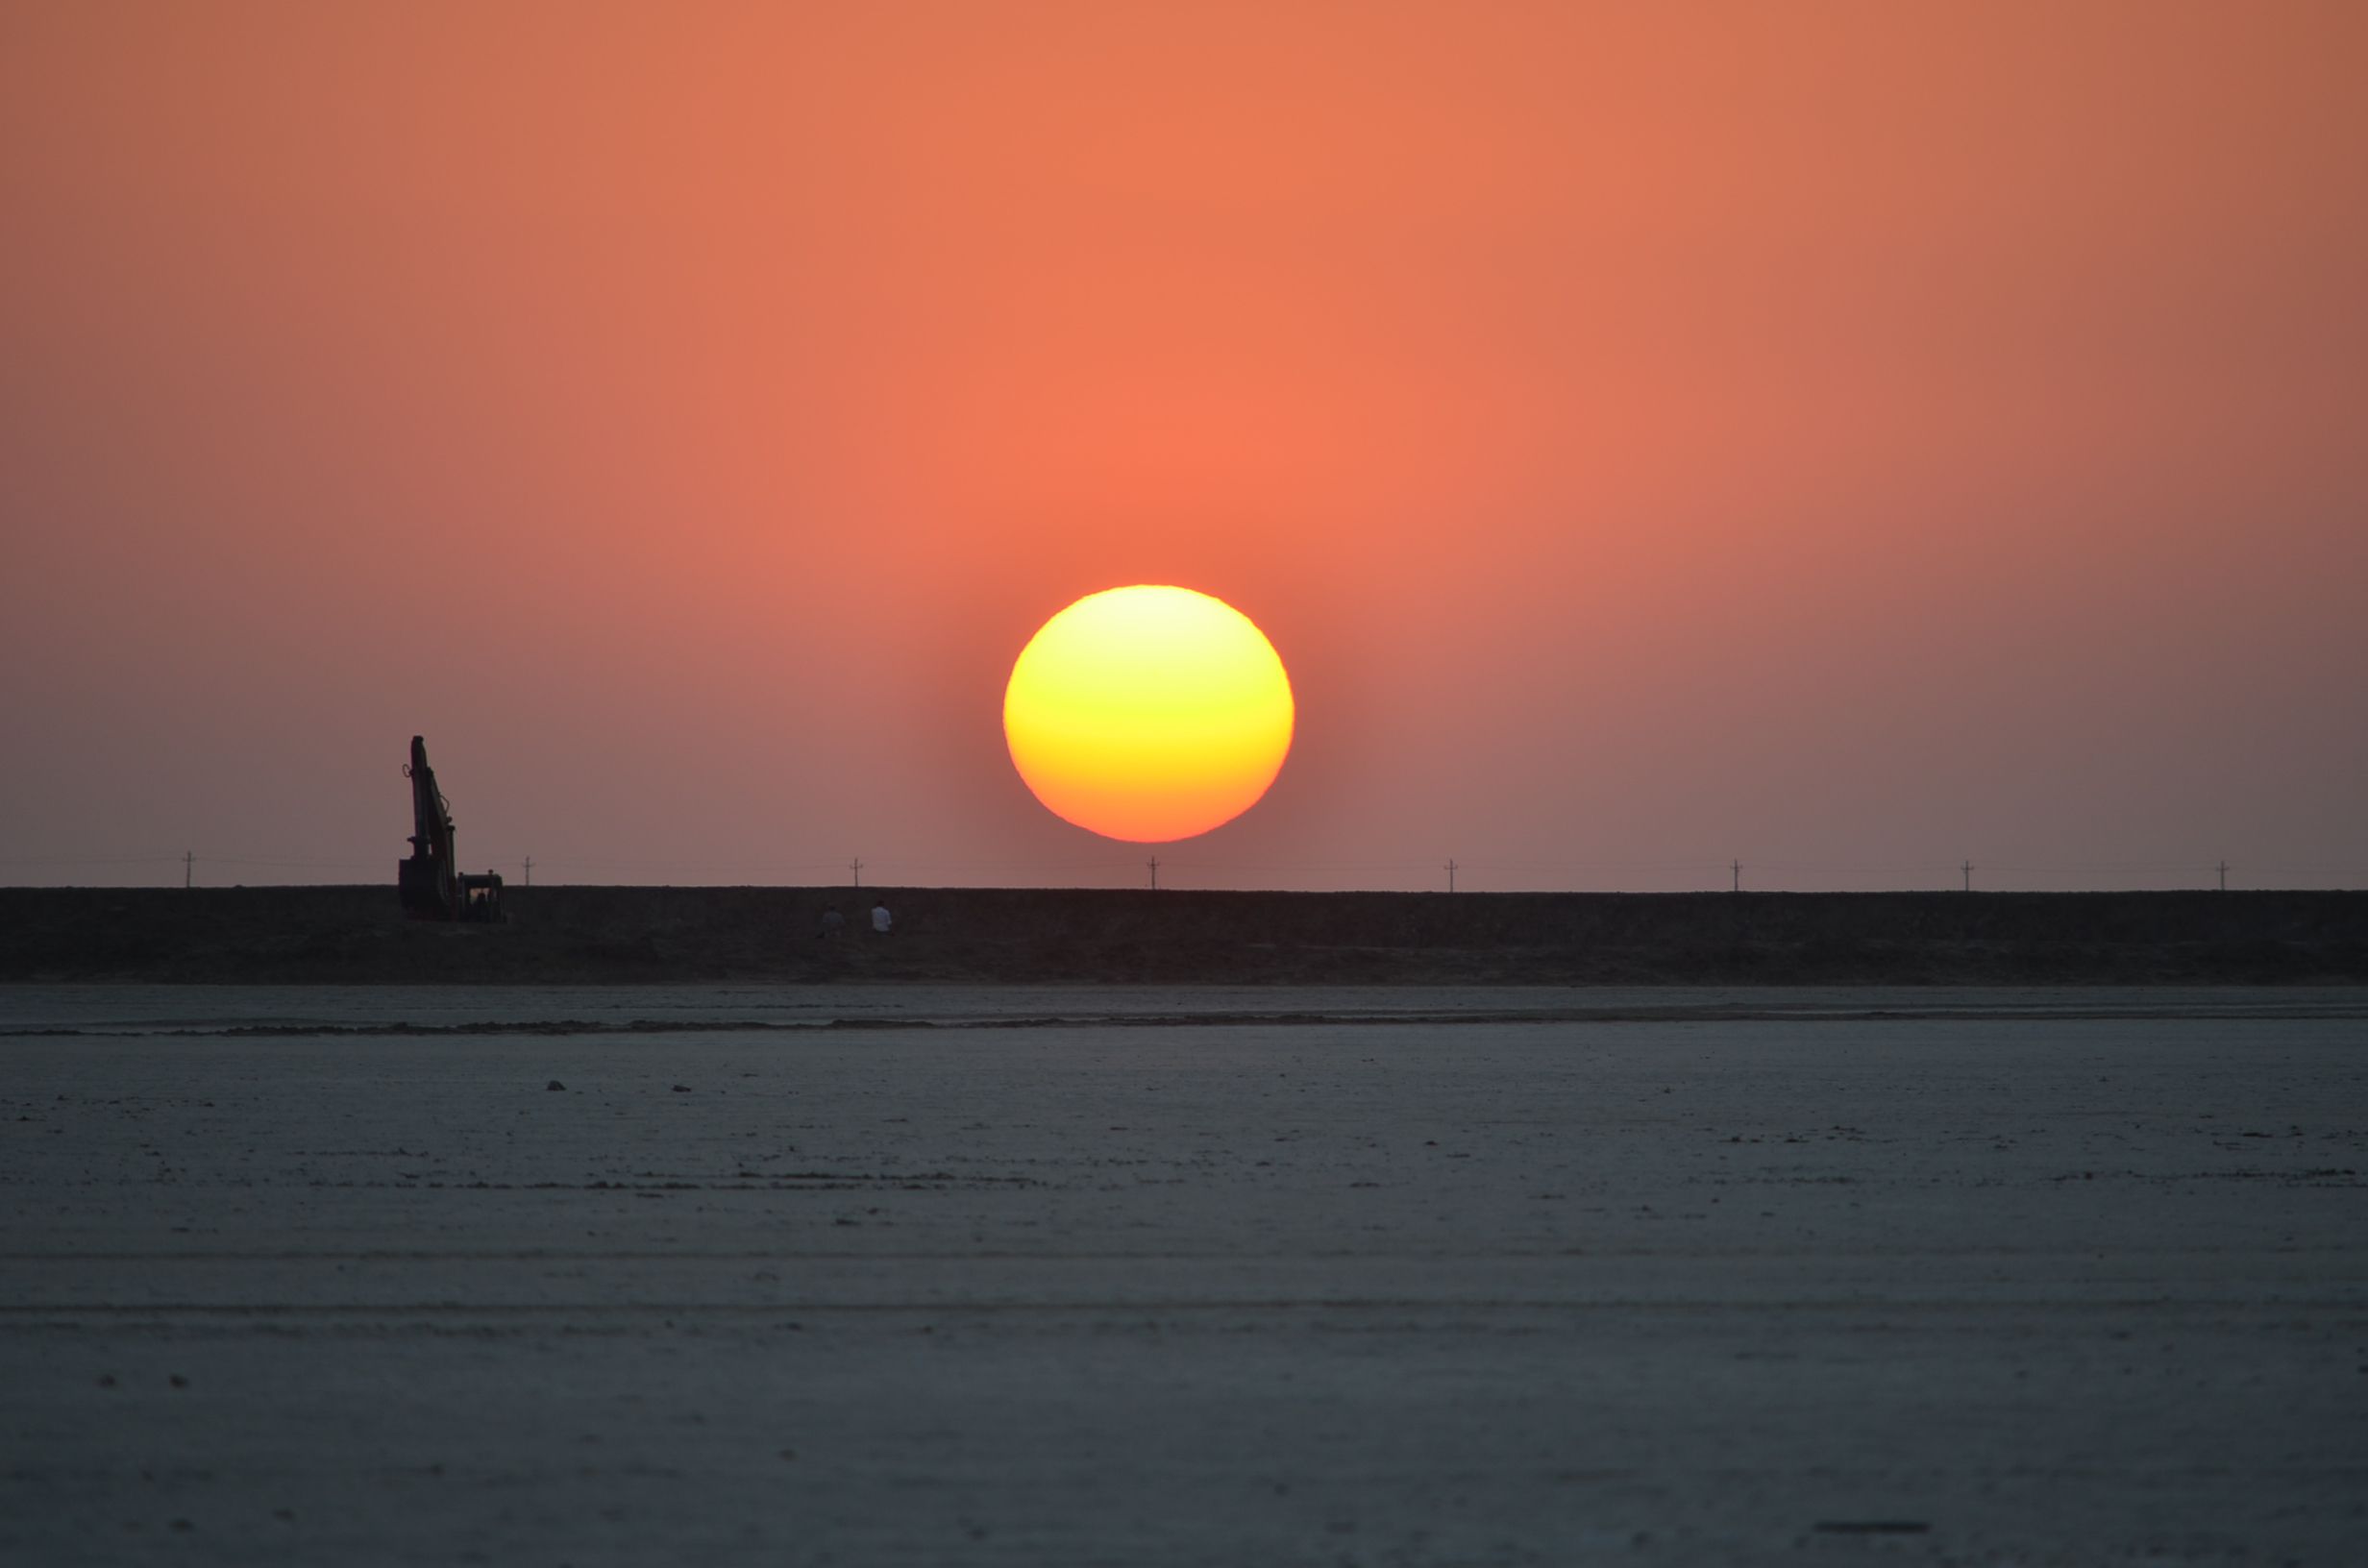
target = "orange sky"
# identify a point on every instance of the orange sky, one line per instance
(1852, 437)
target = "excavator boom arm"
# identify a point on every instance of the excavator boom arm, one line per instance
(430, 881)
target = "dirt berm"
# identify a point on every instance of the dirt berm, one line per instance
(333, 934)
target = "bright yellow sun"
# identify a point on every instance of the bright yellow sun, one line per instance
(1149, 714)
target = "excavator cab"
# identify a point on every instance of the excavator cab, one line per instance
(430, 882)
(482, 897)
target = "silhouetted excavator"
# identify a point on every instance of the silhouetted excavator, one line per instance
(430, 882)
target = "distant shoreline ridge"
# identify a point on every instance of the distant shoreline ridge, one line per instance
(566, 935)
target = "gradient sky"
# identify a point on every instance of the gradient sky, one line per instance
(1849, 437)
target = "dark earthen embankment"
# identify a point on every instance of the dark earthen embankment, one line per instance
(340, 935)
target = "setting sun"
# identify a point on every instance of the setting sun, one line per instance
(1148, 713)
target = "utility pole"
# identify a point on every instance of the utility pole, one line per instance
(1450, 876)
(1154, 874)
(2224, 876)
(854, 868)
(529, 870)
(1737, 867)
(188, 869)
(1969, 876)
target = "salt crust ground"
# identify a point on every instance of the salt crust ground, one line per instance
(1735, 1283)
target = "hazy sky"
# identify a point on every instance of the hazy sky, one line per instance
(1849, 437)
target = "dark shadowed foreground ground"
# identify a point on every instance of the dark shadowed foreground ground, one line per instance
(575, 935)
(1794, 1283)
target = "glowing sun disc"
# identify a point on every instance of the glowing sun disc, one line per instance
(1148, 713)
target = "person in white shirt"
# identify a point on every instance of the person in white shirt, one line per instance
(883, 922)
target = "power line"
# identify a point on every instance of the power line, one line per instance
(87, 859)
(1540, 874)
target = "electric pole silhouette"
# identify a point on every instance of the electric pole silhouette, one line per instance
(1154, 874)
(188, 869)
(2224, 876)
(1737, 867)
(854, 868)
(529, 870)
(1450, 876)
(1969, 876)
